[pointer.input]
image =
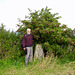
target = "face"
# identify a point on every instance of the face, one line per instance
(28, 31)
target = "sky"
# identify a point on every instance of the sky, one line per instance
(11, 10)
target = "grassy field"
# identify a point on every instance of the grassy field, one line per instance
(47, 66)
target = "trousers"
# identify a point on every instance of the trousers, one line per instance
(29, 55)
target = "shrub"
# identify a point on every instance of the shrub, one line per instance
(9, 44)
(47, 30)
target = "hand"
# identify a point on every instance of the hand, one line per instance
(24, 48)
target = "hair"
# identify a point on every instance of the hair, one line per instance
(28, 29)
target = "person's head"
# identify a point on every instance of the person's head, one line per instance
(28, 30)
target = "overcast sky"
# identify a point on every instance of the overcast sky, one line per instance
(11, 10)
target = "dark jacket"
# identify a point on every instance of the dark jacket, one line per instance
(27, 40)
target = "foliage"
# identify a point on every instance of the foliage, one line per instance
(46, 66)
(48, 31)
(55, 38)
(8, 44)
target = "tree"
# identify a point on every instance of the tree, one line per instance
(9, 44)
(47, 30)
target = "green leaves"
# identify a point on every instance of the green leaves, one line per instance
(8, 44)
(47, 30)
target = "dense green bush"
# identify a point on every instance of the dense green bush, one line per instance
(9, 42)
(47, 30)
(54, 37)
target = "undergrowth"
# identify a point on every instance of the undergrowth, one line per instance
(45, 66)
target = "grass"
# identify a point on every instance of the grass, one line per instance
(46, 66)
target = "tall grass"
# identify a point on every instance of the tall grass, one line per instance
(46, 66)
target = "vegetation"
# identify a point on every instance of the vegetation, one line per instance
(47, 66)
(55, 38)
(9, 44)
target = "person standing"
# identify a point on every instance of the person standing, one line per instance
(28, 44)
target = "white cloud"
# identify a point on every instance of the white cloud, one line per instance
(11, 10)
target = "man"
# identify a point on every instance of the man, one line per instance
(28, 44)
